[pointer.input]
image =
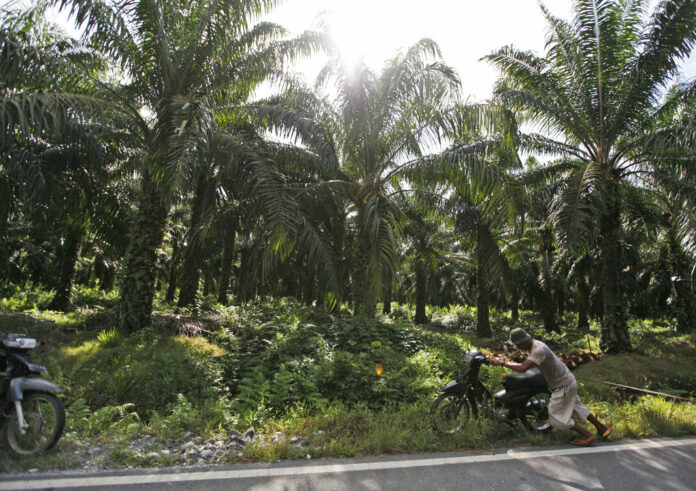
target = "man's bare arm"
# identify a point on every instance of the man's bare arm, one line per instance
(515, 367)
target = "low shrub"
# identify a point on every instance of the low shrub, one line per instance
(17, 299)
(147, 369)
(205, 418)
(349, 361)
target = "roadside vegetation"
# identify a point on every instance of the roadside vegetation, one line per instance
(220, 276)
(340, 385)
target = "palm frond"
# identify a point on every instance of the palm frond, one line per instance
(669, 36)
(576, 208)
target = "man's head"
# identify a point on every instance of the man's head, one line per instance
(521, 339)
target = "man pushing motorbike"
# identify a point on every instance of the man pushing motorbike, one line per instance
(564, 396)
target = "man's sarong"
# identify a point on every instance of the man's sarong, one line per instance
(565, 402)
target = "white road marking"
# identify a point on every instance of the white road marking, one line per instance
(95, 481)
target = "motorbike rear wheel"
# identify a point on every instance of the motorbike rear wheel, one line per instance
(449, 412)
(535, 414)
(45, 415)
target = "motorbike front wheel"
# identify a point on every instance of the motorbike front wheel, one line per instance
(45, 415)
(535, 414)
(449, 412)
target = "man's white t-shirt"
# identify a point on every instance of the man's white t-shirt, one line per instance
(554, 370)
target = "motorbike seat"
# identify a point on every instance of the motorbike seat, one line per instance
(531, 379)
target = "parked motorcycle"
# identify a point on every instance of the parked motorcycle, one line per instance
(525, 397)
(33, 418)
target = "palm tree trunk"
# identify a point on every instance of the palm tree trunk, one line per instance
(66, 268)
(88, 278)
(5, 210)
(137, 291)
(421, 291)
(190, 271)
(246, 288)
(363, 281)
(189, 284)
(686, 313)
(338, 232)
(681, 283)
(614, 335)
(386, 308)
(171, 275)
(583, 320)
(308, 286)
(208, 281)
(583, 304)
(228, 256)
(548, 314)
(548, 307)
(483, 324)
(105, 274)
(560, 300)
(295, 287)
(515, 308)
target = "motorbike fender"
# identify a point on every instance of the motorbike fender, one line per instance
(454, 386)
(20, 385)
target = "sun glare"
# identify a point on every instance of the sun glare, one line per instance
(362, 31)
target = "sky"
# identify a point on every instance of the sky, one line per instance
(465, 30)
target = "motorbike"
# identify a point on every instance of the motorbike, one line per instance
(525, 398)
(32, 417)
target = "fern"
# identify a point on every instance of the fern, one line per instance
(253, 390)
(107, 417)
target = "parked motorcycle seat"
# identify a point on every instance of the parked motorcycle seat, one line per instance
(531, 379)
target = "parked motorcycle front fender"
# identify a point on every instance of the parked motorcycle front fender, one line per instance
(20, 385)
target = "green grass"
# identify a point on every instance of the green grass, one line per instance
(283, 367)
(358, 431)
(663, 365)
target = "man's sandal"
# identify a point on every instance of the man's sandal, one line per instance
(607, 432)
(582, 443)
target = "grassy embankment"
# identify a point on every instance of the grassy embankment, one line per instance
(344, 386)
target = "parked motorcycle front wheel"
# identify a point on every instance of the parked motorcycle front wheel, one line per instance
(45, 415)
(449, 412)
(535, 414)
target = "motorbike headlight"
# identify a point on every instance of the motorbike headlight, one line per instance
(22, 343)
(469, 355)
(27, 343)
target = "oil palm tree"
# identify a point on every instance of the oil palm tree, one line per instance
(54, 149)
(676, 179)
(483, 212)
(180, 59)
(372, 128)
(427, 236)
(239, 172)
(595, 95)
(539, 231)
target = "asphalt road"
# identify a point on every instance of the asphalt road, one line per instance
(636, 465)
